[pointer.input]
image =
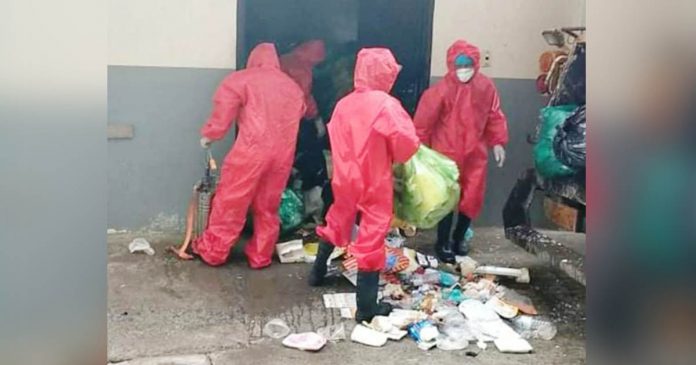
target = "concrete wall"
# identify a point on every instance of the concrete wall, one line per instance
(167, 57)
(509, 29)
(173, 33)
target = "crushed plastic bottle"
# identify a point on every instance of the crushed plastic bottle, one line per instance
(423, 331)
(533, 327)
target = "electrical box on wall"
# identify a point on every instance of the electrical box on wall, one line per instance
(486, 59)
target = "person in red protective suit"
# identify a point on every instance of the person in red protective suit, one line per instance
(369, 131)
(268, 106)
(460, 117)
(299, 64)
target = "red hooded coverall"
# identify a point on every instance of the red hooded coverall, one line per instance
(369, 131)
(462, 121)
(268, 106)
(299, 65)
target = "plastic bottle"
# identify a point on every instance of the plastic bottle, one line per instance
(534, 327)
(423, 331)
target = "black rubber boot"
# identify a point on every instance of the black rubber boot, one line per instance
(316, 276)
(461, 246)
(366, 297)
(443, 245)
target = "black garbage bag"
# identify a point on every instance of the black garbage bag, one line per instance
(569, 144)
(572, 86)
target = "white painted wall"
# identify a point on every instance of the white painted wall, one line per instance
(173, 33)
(202, 33)
(509, 29)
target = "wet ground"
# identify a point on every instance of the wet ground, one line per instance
(160, 306)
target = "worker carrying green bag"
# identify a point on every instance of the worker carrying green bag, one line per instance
(426, 188)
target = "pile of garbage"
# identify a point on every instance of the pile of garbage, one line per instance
(460, 307)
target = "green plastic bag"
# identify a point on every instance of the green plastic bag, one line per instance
(291, 211)
(544, 158)
(427, 188)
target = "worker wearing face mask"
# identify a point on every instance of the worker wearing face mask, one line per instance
(460, 117)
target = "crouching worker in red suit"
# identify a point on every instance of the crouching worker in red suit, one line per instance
(369, 131)
(460, 117)
(267, 104)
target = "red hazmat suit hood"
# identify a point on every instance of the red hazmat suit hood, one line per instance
(462, 47)
(312, 52)
(263, 55)
(375, 69)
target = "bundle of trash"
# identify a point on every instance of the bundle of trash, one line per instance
(426, 188)
(569, 144)
(545, 160)
(291, 211)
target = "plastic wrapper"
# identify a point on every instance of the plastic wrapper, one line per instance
(291, 211)
(427, 188)
(570, 145)
(545, 160)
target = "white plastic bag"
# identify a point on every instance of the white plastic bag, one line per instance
(141, 245)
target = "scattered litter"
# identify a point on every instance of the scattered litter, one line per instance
(430, 276)
(482, 290)
(427, 260)
(307, 341)
(504, 310)
(485, 322)
(141, 245)
(467, 265)
(453, 324)
(394, 239)
(423, 331)
(520, 275)
(394, 291)
(352, 276)
(396, 334)
(333, 333)
(447, 279)
(276, 329)
(425, 346)
(348, 313)
(381, 323)
(116, 231)
(340, 300)
(513, 345)
(523, 303)
(402, 318)
(368, 336)
(533, 327)
(448, 306)
(291, 252)
(453, 295)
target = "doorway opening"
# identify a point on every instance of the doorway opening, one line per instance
(345, 26)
